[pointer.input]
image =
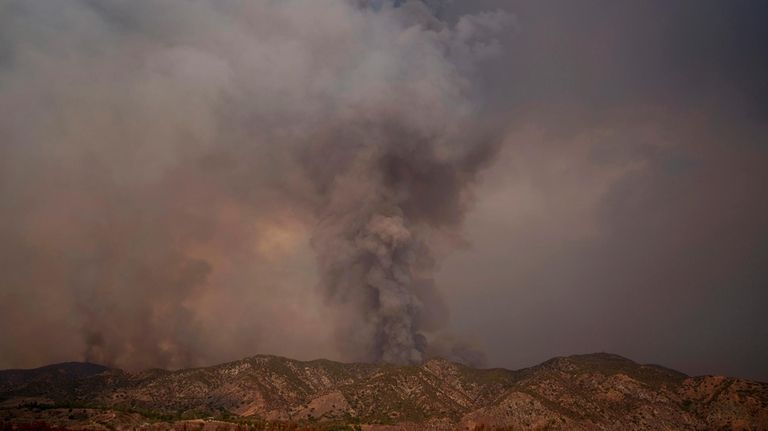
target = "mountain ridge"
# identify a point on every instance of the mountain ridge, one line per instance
(590, 391)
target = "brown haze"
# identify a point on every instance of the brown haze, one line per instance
(185, 183)
(163, 164)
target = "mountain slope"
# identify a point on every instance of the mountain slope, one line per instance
(598, 391)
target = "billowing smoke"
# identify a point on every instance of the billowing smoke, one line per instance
(160, 161)
(389, 193)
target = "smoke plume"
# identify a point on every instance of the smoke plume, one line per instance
(162, 163)
(372, 238)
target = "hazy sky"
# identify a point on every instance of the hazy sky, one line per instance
(627, 212)
(192, 182)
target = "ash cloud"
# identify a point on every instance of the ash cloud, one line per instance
(163, 164)
(183, 182)
(373, 235)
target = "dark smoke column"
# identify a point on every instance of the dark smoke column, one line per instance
(391, 173)
(386, 194)
(367, 260)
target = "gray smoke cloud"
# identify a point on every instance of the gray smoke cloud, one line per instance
(188, 182)
(384, 200)
(163, 163)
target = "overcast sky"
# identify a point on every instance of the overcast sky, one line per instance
(175, 179)
(627, 213)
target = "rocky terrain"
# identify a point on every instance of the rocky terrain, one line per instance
(585, 392)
